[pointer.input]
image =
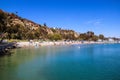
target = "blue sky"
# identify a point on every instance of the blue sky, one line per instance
(99, 16)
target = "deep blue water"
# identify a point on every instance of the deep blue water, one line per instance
(76, 62)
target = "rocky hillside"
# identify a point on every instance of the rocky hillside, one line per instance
(15, 27)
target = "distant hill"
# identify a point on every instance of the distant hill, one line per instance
(15, 27)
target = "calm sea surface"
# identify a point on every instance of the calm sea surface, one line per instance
(77, 62)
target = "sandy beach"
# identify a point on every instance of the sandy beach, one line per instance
(50, 43)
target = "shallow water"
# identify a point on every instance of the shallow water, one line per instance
(77, 62)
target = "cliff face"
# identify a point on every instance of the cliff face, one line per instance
(16, 27)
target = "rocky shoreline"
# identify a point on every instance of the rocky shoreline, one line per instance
(6, 48)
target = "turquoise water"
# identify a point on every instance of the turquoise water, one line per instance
(77, 62)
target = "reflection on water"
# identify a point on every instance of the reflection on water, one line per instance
(89, 62)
